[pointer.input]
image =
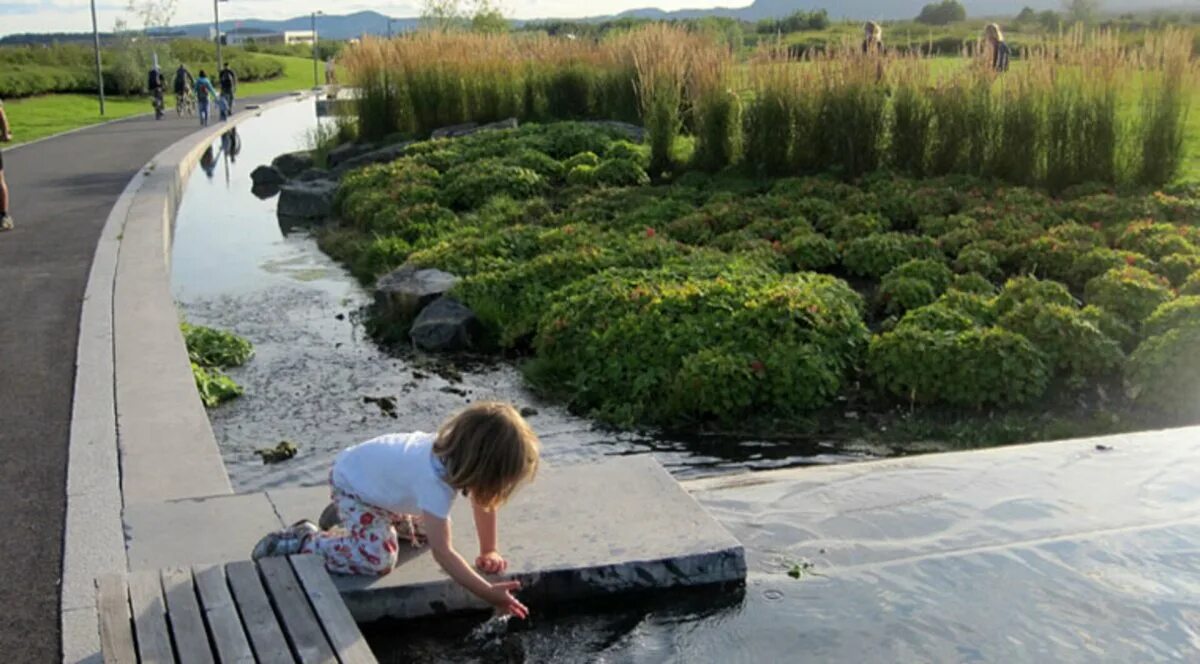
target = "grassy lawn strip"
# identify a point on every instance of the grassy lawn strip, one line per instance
(47, 115)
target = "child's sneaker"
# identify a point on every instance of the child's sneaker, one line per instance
(6, 223)
(284, 542)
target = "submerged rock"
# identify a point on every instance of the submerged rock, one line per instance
(446, 325)
(458, 131)
(266, 176)
(307, 200)
(401, 294)
(293, 163)
(282, 452)
(381, 156)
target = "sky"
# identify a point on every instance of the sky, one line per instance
(75, 16)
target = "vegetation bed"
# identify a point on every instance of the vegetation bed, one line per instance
(775, 304)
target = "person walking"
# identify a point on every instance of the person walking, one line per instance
(184, 82)
(204, 93)
(1000, 50)
(872, 38)
(6, 221)
(330, 71)
(228, 81)
(157, 85)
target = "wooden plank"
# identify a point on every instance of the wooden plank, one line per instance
(299, 623)
(343, 632)
(150, 619)
(183, 615)
(266, 636)
(116, 628)
(221, 614)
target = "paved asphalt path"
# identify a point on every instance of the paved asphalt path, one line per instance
(61, 191)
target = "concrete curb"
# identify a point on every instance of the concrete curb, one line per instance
(138, 431)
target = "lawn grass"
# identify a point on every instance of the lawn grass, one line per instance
(39, 117)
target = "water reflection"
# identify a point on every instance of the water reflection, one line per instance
(227, 151)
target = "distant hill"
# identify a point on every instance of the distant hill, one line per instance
(348, 26)
(878, 9)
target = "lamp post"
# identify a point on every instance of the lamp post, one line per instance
(96, 44)
(217, 25)
(316, 84)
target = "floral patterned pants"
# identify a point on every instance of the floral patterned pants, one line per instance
(367, 541)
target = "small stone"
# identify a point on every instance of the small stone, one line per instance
(384, 155)
(306, 200)
(401, 294)
(1103, 448)
(293, 163)
(347, 151)
(340, 316)
(267, 176)
(446, 325)
(282, 452)
(528, 411)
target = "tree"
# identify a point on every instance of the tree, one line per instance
(1082, 11)
(1027, 15)
(942, 13)
(153, 13)
(487, 17)
(443, 15)
(1050, 20)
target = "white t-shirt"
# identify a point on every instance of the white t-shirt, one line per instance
(397, 472)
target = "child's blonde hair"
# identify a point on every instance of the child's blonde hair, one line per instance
(993, 33)
(488, 450)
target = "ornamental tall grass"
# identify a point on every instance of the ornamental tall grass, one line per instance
(1080, 108)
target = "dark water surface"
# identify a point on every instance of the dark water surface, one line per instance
(931, 578)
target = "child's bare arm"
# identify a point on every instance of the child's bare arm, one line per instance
(489, 561)
(498, 595)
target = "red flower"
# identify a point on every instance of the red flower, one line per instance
(1130, 260)
(366, 518)
(758, 367)
(649, 232)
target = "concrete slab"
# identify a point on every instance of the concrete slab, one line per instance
(188, 532)
(81, 636)
(578, 531)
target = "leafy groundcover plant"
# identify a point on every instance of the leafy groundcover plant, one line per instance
(211, 351)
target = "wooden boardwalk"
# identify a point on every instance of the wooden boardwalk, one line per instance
(278, 610)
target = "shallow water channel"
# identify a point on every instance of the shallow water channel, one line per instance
(234, 267)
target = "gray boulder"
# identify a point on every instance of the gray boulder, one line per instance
(293, 163)
(458, 131)
(632, 132)
(314, 174)
(401, 294)
(307, 200)
(347, 151)
(267, 176)
(381, 156)
(446, 325)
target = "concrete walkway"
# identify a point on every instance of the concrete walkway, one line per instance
(61, 192)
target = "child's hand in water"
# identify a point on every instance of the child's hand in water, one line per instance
(500, 596)
(491, 562)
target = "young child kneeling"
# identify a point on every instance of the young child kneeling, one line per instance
(407, 483)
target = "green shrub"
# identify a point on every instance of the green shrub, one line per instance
(563, 140)
(876, 255)
(1031, 289)
(469, 185)
(620, 173)
(582, 176)
(538, 162)
(1130, 292)
(1071, 343)
(1177, 268)
(936, 317)
(1112, 326)
(1191, 286)
(978, 260)
(582, 159)
(811, 251)
(972, 368)
(215, 348)
(629, 152)
(914, 284)
(973, 282)
(846, 229)
(1164, 372)
(214, 386)
(1181, 312)
(702, 341)
(1095, 262)
(1156, 240)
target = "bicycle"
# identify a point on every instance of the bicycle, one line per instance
(158, 103)
(185, 105)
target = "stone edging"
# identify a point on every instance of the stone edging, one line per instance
(138, 430)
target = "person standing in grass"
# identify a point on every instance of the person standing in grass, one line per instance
(1000, 51)
(407, 482)
(6, 222)
(872, 38)
(204, 93)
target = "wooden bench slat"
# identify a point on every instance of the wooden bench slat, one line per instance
(221, 614)
(339, 625)
(183, 614)
(266, 636)
(297, 617)
(116, 628)
(150, 619)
